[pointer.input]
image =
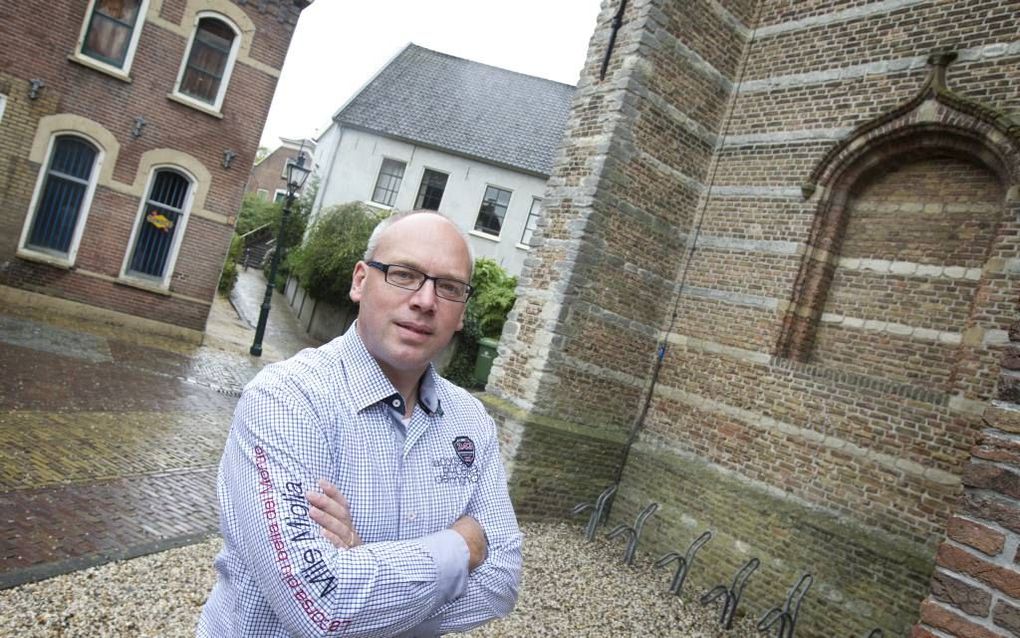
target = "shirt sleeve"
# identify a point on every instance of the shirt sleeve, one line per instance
(276, 450)
(492, 587)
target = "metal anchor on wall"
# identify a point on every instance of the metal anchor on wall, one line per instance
(634, 533)
(683, 562)
(731, 595)
(598, 511)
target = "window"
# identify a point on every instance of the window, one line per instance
(3, 105)
(279, 195)
(209, 61)
(430, 193)
(388, 183)
(159, 227)
(492, 211)
(111, 32)
(262, 194)
(530, 224)
(64, 198)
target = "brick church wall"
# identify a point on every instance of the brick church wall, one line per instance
(834, 322)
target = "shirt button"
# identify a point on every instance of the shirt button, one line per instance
(396, 403)
(411, 517)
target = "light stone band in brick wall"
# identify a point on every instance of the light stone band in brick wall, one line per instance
(909, 269)
(682, 119)
(893, 328)
(731, 20)
(763, 422)
(693, 60)
(688, 181)
(733, 298)
(882, 67)
(762, 246)
(787, 137)
(846, 15)
(767, 192)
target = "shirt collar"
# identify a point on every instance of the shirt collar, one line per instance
(369, 385)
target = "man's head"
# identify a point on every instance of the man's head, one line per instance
(404, 329)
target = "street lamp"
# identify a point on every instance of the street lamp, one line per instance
(296, 176)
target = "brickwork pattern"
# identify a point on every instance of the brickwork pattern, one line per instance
(845, 255)
(113, 104)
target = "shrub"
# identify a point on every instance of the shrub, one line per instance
(335, 243)
(485, 315)
(229, 275)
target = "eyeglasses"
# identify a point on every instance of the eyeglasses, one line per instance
(411, 279)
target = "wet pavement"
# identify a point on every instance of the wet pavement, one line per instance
(110, 437)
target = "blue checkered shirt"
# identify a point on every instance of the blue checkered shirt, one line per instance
(331, 413)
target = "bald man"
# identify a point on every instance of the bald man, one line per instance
(361, 494)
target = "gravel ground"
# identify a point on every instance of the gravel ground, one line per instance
(568, 590)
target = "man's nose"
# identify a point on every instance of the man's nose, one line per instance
(425, 297)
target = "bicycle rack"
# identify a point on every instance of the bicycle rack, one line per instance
(683, 562)
(598, 509)
(731, 596)
(786, 616)
(634, 533)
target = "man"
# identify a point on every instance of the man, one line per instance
(418, 535)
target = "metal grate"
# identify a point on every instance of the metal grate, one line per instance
(163, 211)
(67, 181)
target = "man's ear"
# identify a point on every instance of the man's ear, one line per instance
(358, 281)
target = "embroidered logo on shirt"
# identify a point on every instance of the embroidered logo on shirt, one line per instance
(465, 449)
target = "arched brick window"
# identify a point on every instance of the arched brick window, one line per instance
(111, 31)
(159, 227)
(62, 198)
(209, 60)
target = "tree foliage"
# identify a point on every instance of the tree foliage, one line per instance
(487, 310)
(335, 243)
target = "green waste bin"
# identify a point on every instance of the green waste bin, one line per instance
(486, 354)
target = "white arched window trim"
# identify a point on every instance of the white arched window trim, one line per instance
(227, 71)
(121, 72)
(66, 261)
(182, 227)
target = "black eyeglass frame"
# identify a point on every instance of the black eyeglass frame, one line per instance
(385, 268)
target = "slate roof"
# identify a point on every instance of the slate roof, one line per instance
(465, 107)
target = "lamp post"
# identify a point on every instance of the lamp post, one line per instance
(296, 176)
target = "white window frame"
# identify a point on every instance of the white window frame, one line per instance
(421, 178)
(277, 193)
(86, 204)
(122, 72)
(262, 194)
(396, 194)
(3, 106)
(228, 70)
(182, 226)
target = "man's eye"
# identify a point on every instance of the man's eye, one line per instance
(451, 288)
(402, 276)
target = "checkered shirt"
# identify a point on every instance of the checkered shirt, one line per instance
(331, 413)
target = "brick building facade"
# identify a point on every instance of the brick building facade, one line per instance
(773, 291)
(125, 142)
(268, 178)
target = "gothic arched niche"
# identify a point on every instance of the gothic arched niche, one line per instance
(894, 283)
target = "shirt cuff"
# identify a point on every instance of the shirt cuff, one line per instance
(450, 552)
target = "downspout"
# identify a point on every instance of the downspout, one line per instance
(617, 23)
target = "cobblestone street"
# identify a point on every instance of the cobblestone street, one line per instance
(110, 437)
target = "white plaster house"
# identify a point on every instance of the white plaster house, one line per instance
(472, 141)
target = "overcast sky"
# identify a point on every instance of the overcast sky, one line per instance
(340, 44)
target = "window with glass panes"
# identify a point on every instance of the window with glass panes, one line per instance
(530, 224)
(430, 193)
(111, 26)
(386, 186)
(207, 60)
(493, 210)
(63, 195)
(161, 217)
